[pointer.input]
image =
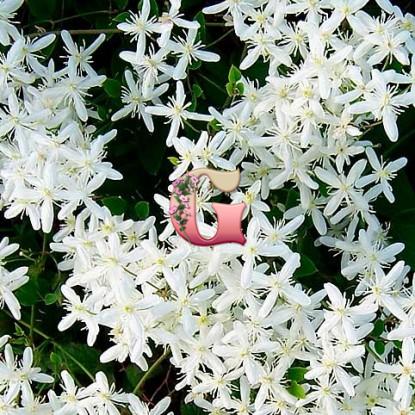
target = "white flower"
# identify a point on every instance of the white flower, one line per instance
(104, 396)
(405, 370)
(381, 290)
(252, 200)
(73, 88)
(7, 12)
(344, 187)
(344, 315)
(84, 311)
(80, 56)
(71, 399)
(137, 407)
(281, 285)
(333, 362)
(135, 101)
(140, 26)
(389, 46)
(174, 18)
(20, 374)
(383, 173)
(384, 102)
(10, 281)
(176, 113)
(153, 70)
(188, 50)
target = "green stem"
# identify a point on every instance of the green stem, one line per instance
(27, 257)
(57, 345)
(44, 244)
(212, 83)
(219, 39)
(373, 353)
(76, 32)
(194, 129)
(75, 16)
(10, 261)
(215, 24)
(135, 275)
(150, 371)
(227, 102)
(76, 361)
(32, 325)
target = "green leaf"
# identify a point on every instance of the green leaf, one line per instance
(234, 75)
(230, 89)
(122, 17)
(102, 112)
(154, 8)
(379, 347)
(195, 65)
(296, 390)
(200, 17)
(47, 52)
(398, 344)
(133, 374)
(142, 209)
(187, 4)
(87, 356)
(240, 88)
(259, 71)
(378, 329)
(18, 331)
(36, 269)
(307, 267)
(404, 194)
(55, 359)
(215, 125)
(293, 198)
(113, 88)
(44, 284)
(52, 298)
(296, 374)
(197, 92)
(115, 204)
(174, 160)
(234, 88)
(28, 293)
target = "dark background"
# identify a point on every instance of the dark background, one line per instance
(143, 160)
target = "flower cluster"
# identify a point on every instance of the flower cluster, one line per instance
(50, 154)
(105, 256)
(17, 395)
(334, 73)
(159, 58)
(183, 188)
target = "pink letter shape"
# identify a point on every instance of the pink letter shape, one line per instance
(183, 208)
